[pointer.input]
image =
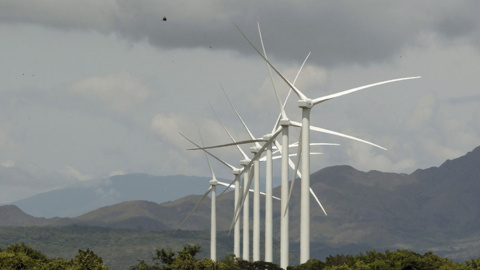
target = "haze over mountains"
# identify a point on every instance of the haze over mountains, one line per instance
(86, 196)
(435, 209)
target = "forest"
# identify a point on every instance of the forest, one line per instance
(21, 256)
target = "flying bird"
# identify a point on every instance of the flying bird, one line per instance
(164, 19)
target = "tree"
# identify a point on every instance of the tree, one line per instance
(87, 260)
(312, 264)
(21, 256)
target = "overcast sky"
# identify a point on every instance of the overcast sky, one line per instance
(94, 88)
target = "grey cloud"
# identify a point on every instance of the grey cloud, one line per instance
(455, 27)
(458, 21)
(339, 32)
(464, 100)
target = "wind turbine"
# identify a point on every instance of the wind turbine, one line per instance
(247, 166)
(213, 215)
(306, 104)
(213, 183)
(246, 209)
(256, 185)
(237, 173)
(285, 122)
(269, 184)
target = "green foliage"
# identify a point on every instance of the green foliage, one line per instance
(21, 256)
(397, 260)
(184, 259)
(64, 242)
(87, 260)
(311, 264)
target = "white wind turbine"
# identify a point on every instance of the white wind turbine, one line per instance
(306, 104)
(269, 187)
(247, 165)
(213, 183)
(285, 122)
(268, 192)
(246, 209)
(256, 187)
(213, 215)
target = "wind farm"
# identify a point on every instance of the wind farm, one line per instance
(347, 150)
(251, 168)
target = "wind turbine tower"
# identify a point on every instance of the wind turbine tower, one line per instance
(306, 104)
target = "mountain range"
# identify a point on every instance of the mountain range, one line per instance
(435, 209)
(86, 196)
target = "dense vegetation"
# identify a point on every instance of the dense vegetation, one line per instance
(64, 242)
(21, 256)
(388, 260)
(79, 242)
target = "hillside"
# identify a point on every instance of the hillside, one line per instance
(435, 209)
(90, 195)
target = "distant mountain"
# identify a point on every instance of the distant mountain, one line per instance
(11, 215)
(89, 195)
(435, 209)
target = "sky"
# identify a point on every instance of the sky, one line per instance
(90, 89)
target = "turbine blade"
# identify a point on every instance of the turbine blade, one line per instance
(298, 92)
(318, 201)
(228, 144)
(282, 107)
(251, 190)
(257, 155)
(225, 184)
(195, 208)
(325, 98)
(290, 155)
(239, 117)
(212, 155)
(230, 135)
(282, 110)
(339, 134)
(231, 184)
(206, 156)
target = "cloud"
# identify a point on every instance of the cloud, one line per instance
(114, 173)
(3, 136)
(422, 113)
(367, 158)
(68, 14)
(457, 21)
(311, 77)
(168, 126)
(344, 32)
(17, 182)
(119, 92)
(465, 100)
(8, 164)
(76, 174)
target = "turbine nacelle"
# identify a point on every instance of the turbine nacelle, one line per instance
(305, 103)
(284, 122)
(245, 162)
(255, 149)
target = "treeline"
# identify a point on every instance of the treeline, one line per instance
(21, 256)
(388, 260)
